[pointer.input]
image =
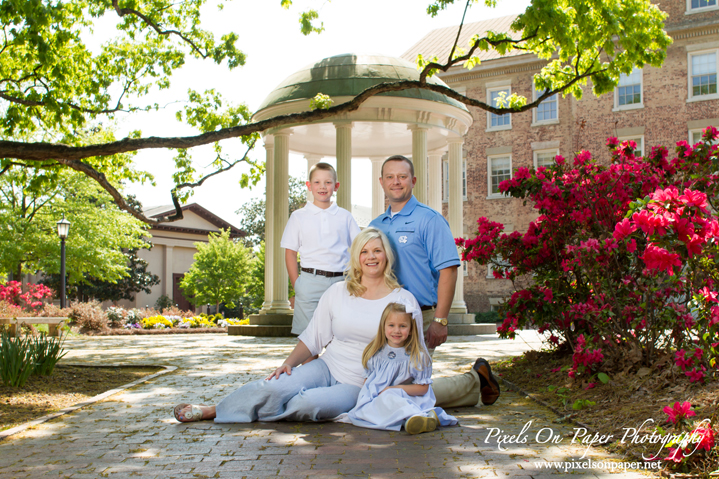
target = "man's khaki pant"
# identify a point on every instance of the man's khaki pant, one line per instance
(454, 391)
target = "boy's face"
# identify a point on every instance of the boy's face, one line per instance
(322, 185)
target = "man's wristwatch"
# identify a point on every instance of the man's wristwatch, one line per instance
(442, 321)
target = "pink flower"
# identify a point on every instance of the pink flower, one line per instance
(704, 437)
(612, 142)
(631, 246)
(559, 159)
(591, 386)
(694, 198)
(675, 454)
(556, 370)
(682, 361)
(694, 245)
(679, 411)
(695, 375)
(659, 258)
(709, 295)
(623, 229)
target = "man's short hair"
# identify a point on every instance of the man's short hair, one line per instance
(399, 158)
(324, 167)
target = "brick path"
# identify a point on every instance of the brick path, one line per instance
(133, 434)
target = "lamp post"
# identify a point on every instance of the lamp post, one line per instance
(63, 228)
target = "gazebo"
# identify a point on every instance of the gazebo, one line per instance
(416, 123)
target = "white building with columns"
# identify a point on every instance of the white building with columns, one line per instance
(417, 123)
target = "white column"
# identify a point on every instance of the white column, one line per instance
(344, 164)
(377, 191)
(168, 286)
(434, 180)
(280, 303)
(312, 160)
(419, 158)
(456, 214)
(269, 211)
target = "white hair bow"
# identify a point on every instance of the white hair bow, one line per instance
(411, 308)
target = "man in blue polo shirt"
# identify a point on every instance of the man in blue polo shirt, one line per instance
(426, 266)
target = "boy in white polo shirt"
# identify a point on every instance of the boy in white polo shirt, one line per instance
(321, 233)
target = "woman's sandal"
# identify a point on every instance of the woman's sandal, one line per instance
(194, 414)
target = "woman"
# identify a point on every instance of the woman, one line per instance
(345, 321)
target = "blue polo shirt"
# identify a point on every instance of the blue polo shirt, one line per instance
(423, 244)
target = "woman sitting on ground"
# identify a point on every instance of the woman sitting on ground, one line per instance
(345, 321)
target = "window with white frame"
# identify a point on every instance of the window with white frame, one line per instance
(629, 91)
(445, 179)
(544, 157)
(639, 140)
(546, 111)
(703, 75)
(499, 168)
(695, 136)
(494, 121)
(695, 6)
(492, 268)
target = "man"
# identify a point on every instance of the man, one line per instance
(426, 266)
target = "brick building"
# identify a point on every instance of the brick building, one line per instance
(653, 106)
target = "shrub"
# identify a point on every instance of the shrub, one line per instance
(164, 302)
(175, 311)
(115, 315)
(89, 316)
(486, 317)
(31, 299)
(9, 310)
(620, 258)
(47, 352)
(51, 311)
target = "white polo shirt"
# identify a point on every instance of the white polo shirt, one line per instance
(321, 237)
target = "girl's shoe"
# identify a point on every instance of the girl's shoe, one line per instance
(194, 413)
(419, 424)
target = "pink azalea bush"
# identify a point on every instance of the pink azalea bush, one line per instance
(621, 256)
(31, 299)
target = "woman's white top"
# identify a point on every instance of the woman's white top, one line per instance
(345, 325)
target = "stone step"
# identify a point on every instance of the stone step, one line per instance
(454, 318)
(265, 330)
(470, 329)
(271, 319)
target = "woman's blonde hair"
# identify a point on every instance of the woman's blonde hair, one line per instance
(354, 272)
(413, 345)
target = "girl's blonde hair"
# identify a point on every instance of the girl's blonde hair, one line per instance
(413, 345)
(353, 278)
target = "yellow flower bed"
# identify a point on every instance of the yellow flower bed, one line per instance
(153, 321)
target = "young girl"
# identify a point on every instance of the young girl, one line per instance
(397, 390)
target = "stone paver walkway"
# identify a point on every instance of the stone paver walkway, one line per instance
(133, 433)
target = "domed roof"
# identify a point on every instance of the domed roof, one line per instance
(349, 75)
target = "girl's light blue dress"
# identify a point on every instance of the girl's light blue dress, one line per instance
(389, 410)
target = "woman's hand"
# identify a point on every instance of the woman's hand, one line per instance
(285, 368)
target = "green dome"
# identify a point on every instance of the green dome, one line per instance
(349, 75)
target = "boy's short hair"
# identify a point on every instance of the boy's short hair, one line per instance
(399, 158)
(322, 166)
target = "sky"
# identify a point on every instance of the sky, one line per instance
(270, 37)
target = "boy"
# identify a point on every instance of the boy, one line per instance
(321, 233)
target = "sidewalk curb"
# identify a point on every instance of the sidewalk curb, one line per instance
(35, 422)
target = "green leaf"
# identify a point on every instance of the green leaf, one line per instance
(603, 378)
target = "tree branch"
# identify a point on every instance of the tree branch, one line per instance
(102, 180)
(129, 11)
(42, 151)
(222, 170)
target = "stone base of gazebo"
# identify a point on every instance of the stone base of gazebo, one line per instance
(464, 325)
(280, 325)
(267, 325)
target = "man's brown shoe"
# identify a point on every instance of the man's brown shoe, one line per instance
(488, 385)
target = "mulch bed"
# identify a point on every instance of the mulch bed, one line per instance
(630, 398)
(68, 385)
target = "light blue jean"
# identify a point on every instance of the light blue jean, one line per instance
(310, 393)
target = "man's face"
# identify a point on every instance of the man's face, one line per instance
(397, 181)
